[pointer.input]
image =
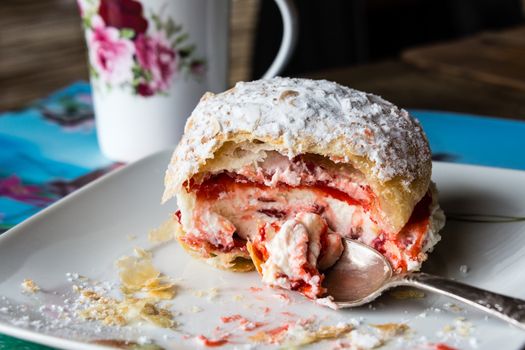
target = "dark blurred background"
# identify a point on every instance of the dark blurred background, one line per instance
(336, 33)
(42, 45)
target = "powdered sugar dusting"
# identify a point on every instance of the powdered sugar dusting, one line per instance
(304, 114)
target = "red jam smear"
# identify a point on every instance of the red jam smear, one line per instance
(336, 194)
(278, 330)
(239, 244)
(412, 233)
(441, 346)
(417, 223)
(244, 323)
(232, 318)
(211, 188)
(178, 216)
(212, 343)
(306, 289)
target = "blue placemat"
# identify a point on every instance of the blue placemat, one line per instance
(471, 139)
(47, 151)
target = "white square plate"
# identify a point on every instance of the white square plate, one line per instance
(89, 230)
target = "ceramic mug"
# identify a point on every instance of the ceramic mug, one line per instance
(151, 60)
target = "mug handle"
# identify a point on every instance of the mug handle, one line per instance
(290, 31)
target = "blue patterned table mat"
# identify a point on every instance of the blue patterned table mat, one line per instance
(47, 151)
(50, 149)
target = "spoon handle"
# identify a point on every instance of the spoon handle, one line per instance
(507, 308)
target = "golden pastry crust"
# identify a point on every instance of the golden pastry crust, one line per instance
(299, 116)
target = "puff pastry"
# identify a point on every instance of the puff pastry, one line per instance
(272, 173)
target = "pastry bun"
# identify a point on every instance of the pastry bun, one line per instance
(300, 116)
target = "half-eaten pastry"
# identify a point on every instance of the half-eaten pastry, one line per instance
(273, 173)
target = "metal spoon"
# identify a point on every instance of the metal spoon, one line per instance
(361, 274)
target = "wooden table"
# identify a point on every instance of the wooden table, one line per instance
(483, 75)
(411, 87)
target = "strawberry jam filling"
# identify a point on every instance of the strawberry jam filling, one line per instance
(410, 240)
(293, 219)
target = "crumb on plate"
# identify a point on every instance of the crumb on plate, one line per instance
(407, 293)
(137, 274)
(29, 286)
(165, 232)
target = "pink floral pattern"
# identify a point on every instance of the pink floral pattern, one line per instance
(123, 14)
(127, 52)
(155, 55)
(110, 55)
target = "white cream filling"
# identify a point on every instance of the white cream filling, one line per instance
(215, 228)
(274, 168)
(296, 244)
(287, 252)
(244, 209)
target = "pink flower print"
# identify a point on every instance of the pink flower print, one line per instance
(13, 188)
(110, 55)
(158, 60)
(123, 14)
(144, 89)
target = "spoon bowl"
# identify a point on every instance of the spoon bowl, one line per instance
(359, 275)
(362, 273)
